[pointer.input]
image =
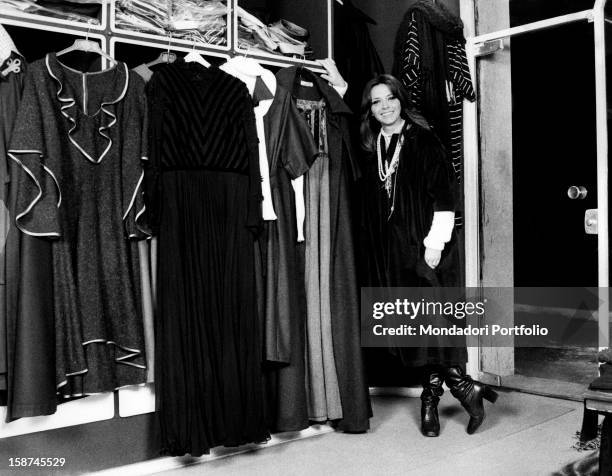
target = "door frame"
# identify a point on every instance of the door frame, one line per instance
(473, 185)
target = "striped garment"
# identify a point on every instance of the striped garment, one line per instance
(458, 87)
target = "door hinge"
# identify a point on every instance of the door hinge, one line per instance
(488, 47)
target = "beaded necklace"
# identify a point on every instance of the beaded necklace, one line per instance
(386, 172)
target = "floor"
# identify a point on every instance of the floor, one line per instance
(523, 435)
(569, 363)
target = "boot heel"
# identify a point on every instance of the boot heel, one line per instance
(490, 394)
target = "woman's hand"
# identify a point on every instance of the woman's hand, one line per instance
(332, 75)
(432, 257)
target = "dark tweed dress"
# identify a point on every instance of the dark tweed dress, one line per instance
(79, 140)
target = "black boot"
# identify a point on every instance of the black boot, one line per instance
(470, 393)
(432, 390)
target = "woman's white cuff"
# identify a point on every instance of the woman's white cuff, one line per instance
(440, 231)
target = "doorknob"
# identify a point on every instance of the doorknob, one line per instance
(577, 192)
(590, 221)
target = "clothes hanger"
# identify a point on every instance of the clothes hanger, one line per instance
(165, 56)
(88, 46)
(246, 65)
(194, 57)
(300, 67)
(303, 73)
(6, 45)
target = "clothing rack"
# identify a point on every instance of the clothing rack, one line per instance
(136, 400)
(110, 35)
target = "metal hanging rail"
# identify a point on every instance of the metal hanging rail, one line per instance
(587, 15)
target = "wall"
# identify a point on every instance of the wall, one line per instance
(388, 15)
(495, 127)
(90, 447)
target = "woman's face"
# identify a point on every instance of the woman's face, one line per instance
(386, 107)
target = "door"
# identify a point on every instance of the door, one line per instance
(554, 159)
(538, 185)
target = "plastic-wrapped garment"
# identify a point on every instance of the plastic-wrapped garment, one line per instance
(86, 11)
(201, 16)
(210, 37)
(203, 21)
(130, 21)
(153, 14)
(91, 10)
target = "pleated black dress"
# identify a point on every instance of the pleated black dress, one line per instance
(203, 194)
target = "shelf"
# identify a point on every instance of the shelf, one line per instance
(110, 35)
(78, 412)
(161, 45)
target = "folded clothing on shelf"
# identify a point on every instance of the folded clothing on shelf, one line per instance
(282, 36)
(201, 16)
(150, 16)
(290, 31)
(86, 11)
(249, 42)
(200, 21)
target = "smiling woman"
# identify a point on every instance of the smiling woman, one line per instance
(408, 240)
(386, 108)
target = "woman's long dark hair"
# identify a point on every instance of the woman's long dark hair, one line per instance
(370, 127)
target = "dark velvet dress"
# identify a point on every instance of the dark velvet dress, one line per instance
(392, 248)
(78, 141)
(204, 197)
